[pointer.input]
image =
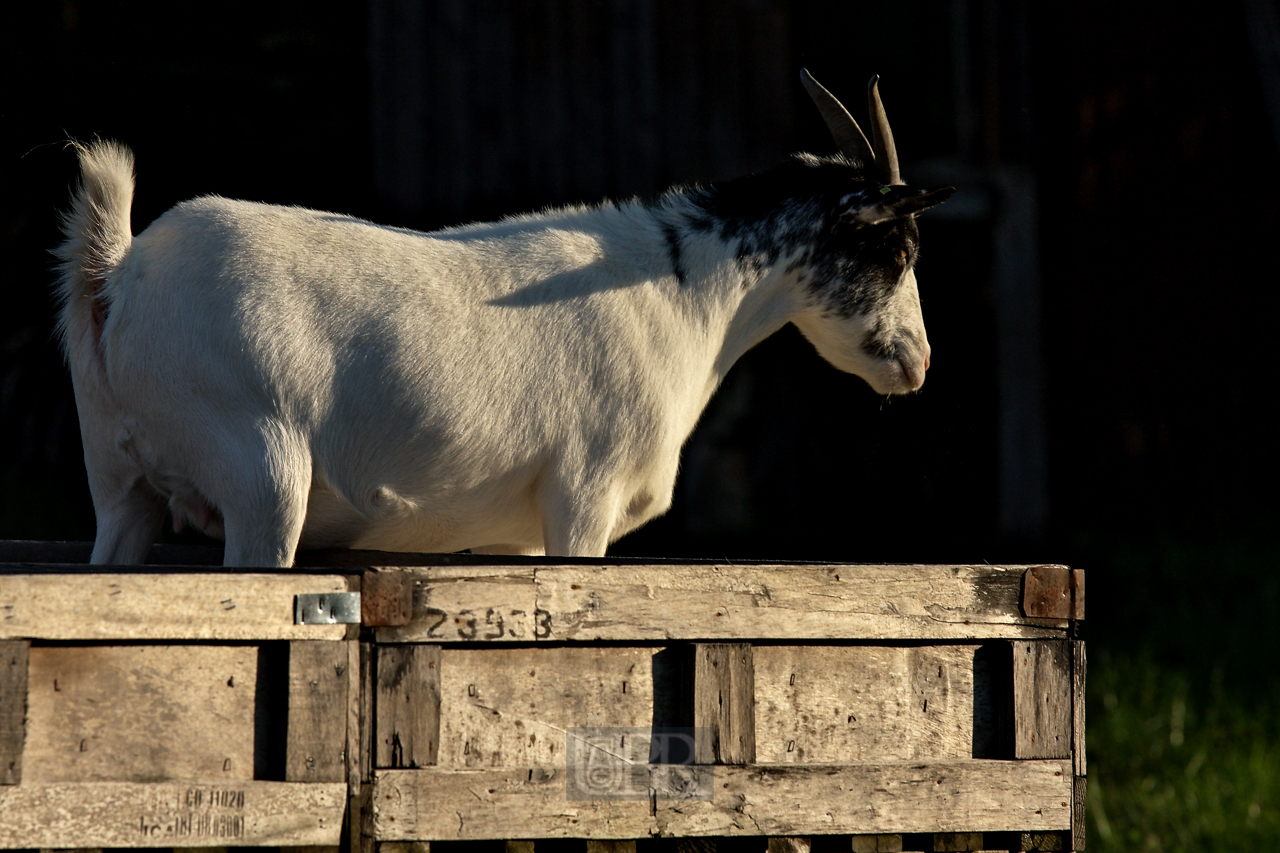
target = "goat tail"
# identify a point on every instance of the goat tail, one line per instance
(97, 237)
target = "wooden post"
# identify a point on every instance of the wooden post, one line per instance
(876, 844)
(1042, 705)
(407, 706)
(1077, 813)
(724, 717)
(13, 708)
(317, 737)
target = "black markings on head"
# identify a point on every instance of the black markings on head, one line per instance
(799, 210)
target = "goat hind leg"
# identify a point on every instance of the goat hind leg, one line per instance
(128, 521)
(264, 506)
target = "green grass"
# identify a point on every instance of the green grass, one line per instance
(1183, 730)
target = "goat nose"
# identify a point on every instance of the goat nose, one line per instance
(926, 361)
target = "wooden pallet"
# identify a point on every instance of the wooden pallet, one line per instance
(865, 707)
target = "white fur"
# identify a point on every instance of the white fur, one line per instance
(290, 377)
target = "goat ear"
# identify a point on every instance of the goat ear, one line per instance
(896, 202)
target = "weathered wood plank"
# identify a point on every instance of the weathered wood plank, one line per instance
(408, 706)
(838, 704)
(1078, 813)
(1042, 705)
(13, 708)
(886, 843)
(1043, 842)
(982, 796)
(1078, 668)
(469, 603)
(1054, 592)
(453, 604)
(176, 606)
(783, 602)
(513, 707)
(724, 715)
(188, 814)
(386, 598)
(317, 733)
(140, 714)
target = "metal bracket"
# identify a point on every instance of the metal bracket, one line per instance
(326, 608)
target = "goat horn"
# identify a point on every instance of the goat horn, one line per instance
(853, 143)
(881, 136)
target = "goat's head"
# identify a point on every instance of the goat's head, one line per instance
(863, 307)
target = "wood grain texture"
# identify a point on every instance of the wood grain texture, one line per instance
(837, 704)
(975, 796)
(1078, 672)
(716, 602)
(724, 692)
(514, 707)
(140, 713)
(1042, 705)
(885, 843)
(1078, 833)
(794, 602)
(177, 606)
(317, 734)
(188, 814)
(408, 706)
(13, 708)
(453, 604)
(1043, 842)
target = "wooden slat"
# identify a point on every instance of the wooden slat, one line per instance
(13, 708)
(1078, 667)
(1078, 813)
(885, 843)
(724, 716)
(837, 704)
(317, 735)
(408, 706)
(386, 598)
(981, 796)
(1043, 842)
(140, 714)
(1042, 703)
(711, 602)
(454, 604)
(175, 606)
(188, 814)
(513, 707)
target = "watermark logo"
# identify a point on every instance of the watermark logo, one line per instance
(615, 763)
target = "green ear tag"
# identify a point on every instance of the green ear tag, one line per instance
(885, 190)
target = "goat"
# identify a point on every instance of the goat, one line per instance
(284, 377)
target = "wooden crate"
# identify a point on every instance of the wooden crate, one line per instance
(845, 706)
(828, 706)
(144, 708)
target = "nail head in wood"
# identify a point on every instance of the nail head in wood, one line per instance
(386, 599)
(1053, 592)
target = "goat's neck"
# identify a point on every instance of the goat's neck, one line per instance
(739, 281)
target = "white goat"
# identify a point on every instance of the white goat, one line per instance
(287, 377)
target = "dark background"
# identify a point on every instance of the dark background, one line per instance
(1100, 294)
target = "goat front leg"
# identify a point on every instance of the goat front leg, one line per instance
(573, 525)
(128, 520)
